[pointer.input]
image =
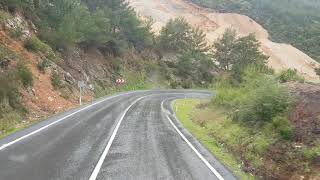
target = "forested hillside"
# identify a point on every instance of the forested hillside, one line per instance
(63, 23)
(291, 21)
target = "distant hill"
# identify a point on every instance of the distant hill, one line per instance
(214, 24)
(296, 22)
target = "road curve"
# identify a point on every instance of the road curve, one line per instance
(132, 135)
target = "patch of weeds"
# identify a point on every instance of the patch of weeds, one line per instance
(8, 121)
(311, 153)
(4, 16)
(290, 75)
(36, 45)
(43, 65)
(283, 126)
(25, 75)
(134, 81)
(11, 110)
(6, 56)
(174, 84)
(56, 81)
(116, 64)
(66, 91)
(16, 33)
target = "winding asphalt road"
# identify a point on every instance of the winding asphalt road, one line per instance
(132, 135)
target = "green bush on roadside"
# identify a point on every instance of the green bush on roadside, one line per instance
(260, 99)
(11, 108)
(283, 126)
(262, 102)
(9, 120)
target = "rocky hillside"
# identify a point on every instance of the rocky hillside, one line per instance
(37, 80)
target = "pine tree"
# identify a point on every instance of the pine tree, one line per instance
(222, 50)
(175, 35)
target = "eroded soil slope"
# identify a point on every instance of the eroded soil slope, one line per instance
(282, 56)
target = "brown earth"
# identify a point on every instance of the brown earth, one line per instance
(282, 56)
(288, 157)
(306, 114)
(42, 99)
(87, 64)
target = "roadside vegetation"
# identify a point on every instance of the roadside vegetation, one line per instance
(11, 108)
(202, 122)
(249, 116)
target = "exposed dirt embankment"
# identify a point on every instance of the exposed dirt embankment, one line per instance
(42, 97)
(282, 56)
(306, 115)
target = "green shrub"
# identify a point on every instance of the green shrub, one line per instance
(263, 102)
(174, 84)
(282, 125)
(227, 96)
(16, 33)
(290, 75)
(4, 16)
(312, 153)
(287, 133)
(25, 75)
(257, 100)
(42, 65)
(9, 95)
(9, 120)
(36, 45)
(116, 64)
(7, 55)
(186, 84)
(56, 80)
(149, 66)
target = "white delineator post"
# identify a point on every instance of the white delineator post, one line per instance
(80, 98)
(81, 84)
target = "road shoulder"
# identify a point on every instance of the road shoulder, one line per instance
(185, 109)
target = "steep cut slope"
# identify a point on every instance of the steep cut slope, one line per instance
(282, 56)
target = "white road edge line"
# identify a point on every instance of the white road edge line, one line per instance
(106, 150)
(55, 122)
(214, 171)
